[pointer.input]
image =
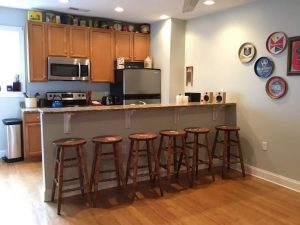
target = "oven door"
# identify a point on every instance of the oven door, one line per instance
(61, 68)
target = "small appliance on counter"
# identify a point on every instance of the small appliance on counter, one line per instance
(193, 96)
(207, 97)
(111, 100)
(66, 99)
(219, 97)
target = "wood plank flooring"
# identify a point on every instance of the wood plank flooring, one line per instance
(240, 201)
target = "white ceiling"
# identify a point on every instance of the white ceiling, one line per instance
(139, 11)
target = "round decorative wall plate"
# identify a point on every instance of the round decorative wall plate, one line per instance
(264, 67)
(247, 52)
(276, 42)
(276, 87)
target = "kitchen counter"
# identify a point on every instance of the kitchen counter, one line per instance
(123, 120)
(125, 107)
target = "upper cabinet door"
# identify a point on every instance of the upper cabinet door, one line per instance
(57, 40)
(124, 45)
(37, 53)
(79, 42)
(102, 55)
(141, 45)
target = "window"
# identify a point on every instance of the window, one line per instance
(12, 60)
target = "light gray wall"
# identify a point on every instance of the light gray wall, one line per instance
(167, 50)
(10, 106)
(177, 58)
(212, 44)
(160, 52)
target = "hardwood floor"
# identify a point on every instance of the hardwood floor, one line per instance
(238, 200)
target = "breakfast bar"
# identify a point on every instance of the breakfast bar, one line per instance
(87, 122)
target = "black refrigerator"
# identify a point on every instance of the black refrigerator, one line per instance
(137, 86)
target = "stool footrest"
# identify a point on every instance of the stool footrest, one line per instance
(108, 179)
(72, 179)
(72, 189)
(70, 159)
(107, 171)
(72, 165)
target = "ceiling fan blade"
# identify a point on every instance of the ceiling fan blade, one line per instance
(189, 5)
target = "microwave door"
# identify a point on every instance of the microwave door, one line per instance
(64, 71)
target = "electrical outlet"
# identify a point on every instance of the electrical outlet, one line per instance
(264, 145)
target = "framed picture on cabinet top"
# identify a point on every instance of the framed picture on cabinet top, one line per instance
(293, 59)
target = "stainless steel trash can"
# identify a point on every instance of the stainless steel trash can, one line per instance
(14, 140)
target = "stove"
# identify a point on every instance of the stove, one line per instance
(67, 99)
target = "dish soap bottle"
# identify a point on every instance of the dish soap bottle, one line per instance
(148, 63)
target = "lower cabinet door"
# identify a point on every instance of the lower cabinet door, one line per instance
(33, 147)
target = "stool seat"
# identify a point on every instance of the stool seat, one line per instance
(197, 130)
(143, 136)
(69, 142)
(173, 132)
(107, 139)
(228, 128)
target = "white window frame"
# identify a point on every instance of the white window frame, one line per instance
(3, 92)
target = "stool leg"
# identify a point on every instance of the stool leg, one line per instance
(228, 150)
(175, 161)
(184, 152)
(96, 174)
(149, 162)
(60, 179)
(194, 163)
(170, 152)
(215, 144)
(157, 168)
(92, 178)
(85, 174)
(224, 153)
(135, 167)
(240, 153)
(160, 148)
(118, 164)
(129, 161)
(210, 162)
(197, 155)
(55, 179)
(80, 171)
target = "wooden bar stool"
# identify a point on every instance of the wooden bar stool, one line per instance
(195, 145)
(61, 162)
(172, 152)
(99, 156)
(227, 144)
(134, 156)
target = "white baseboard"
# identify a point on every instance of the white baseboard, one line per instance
(271, 177)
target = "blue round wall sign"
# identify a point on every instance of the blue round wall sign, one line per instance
(264, 67)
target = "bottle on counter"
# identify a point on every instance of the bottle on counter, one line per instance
(148, 63)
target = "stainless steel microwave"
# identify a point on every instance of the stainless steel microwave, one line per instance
(63, 68)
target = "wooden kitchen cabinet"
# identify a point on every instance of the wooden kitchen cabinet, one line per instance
(124, 45)
(57, 35)
(37, 53)
(132, 46)
(64, 40)
(32, 136)
(79, 42)
(102, 55)
(141, 46)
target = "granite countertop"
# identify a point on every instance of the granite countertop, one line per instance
(29, 110)
(120, 107)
